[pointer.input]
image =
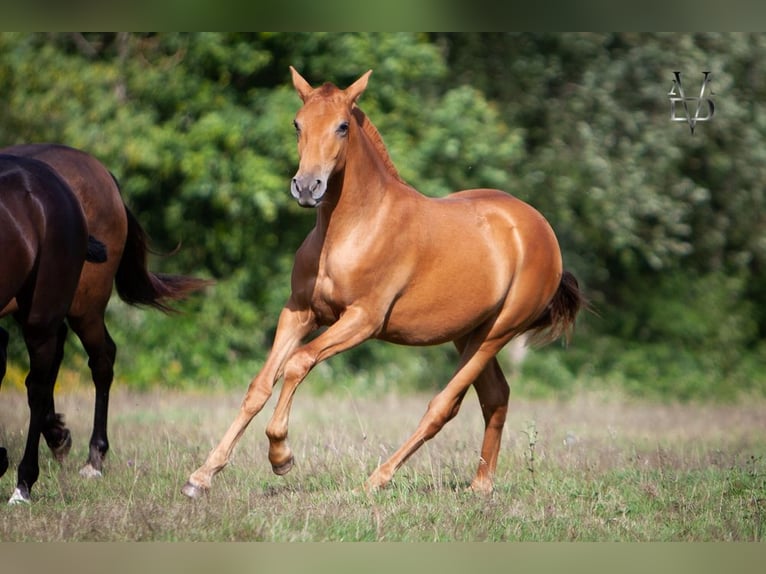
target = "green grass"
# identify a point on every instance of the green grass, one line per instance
(591, 468)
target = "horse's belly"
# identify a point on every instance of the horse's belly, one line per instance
(438, 320)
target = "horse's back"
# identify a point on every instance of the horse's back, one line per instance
(463, 257)
(90, 181)
(99, 194)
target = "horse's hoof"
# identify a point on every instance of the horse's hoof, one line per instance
(192, 490)
(18, 497)
(283, 469)
(62, 450)
(481, 486)
(89, 471)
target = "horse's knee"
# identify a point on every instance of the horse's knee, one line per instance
(298, 366)
(256, 397)
(439, 413)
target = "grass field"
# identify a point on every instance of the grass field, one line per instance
(595, 468)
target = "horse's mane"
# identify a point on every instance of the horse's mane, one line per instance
(377, 141)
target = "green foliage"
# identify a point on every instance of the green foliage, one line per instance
(664, 229)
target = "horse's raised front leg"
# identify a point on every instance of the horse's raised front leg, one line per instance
(292, 327)
(354, 327)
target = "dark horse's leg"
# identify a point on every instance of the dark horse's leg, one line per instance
(57, 436)
(3, 361)
(3, 460)
(3, 353)
(42, 344)
(101, 352)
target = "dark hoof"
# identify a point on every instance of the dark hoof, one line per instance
(61, 450)
(283, 469)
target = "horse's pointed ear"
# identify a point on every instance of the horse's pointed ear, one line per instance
(301, 86)
(357, 88)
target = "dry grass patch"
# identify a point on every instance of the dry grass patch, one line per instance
(593, 468)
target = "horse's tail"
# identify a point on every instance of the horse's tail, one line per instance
(559, 316)
(136, 285)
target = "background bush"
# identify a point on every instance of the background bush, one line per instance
(664, 229)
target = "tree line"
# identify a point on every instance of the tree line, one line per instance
(664, 228)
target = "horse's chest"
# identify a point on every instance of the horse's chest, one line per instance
(344, 273)
(327, 300)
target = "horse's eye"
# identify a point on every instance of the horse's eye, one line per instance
(343, 128)
(297, 128)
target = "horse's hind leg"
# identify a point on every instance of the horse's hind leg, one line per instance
(57, 436)
(41, 344)
(3, 362)
(444, 406)
(493, 392)
(3, 460)
(101, 352)
(3, 353)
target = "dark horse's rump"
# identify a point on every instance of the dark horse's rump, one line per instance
(126, 246)
(44, 244)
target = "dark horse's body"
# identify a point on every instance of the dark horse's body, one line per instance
(110, 220)
(43, 245)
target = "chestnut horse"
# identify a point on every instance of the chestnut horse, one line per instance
(109, 219)
(44, 244)
(385, 262)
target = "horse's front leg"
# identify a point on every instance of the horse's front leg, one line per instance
(354, 327)
(292, 327)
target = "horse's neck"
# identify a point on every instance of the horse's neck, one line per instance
(373, 135)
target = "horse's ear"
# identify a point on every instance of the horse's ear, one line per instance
(301, 86)
(357, 88)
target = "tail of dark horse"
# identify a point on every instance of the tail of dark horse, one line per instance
(558, 319)
(136, 285)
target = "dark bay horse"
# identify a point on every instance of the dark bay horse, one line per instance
(109, 219)
(385, 262)
(44, 244)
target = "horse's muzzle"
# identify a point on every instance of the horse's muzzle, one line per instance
(308, 191)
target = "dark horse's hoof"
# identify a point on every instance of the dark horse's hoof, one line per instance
(61, 450)
(3, 460)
